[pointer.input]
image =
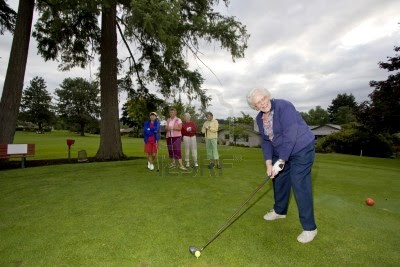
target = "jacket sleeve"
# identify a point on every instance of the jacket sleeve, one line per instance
(287, 118)
(147, 130)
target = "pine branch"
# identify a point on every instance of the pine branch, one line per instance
(130, 52)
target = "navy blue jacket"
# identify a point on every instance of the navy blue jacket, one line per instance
(149, 131)
(291, 133)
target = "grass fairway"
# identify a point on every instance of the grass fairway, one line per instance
(121, 214)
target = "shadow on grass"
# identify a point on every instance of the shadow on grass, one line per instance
(16, 164)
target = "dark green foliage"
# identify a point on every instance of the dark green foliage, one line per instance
(238, 127)
(245, 119)
(381, 113)
(354, 139)
(161, 31)
(8, 17)
(342, 100)
(317, 116)
(344, 115)
(78, 103)
(137, 109)
(68, 30)
(36, 104)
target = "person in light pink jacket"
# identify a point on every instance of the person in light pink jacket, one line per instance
(174, 136)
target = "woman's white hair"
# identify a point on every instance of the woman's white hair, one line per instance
(253, 92)
(187, 115)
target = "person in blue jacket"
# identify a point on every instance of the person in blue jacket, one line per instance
(151, 138)
(288, 148)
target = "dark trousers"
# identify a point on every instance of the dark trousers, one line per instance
(296, 174)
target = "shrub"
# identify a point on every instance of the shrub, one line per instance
(353, 140)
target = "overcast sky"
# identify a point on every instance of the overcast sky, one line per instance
(304, 51)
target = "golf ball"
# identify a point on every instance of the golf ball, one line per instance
(197, 254)
(369, 201)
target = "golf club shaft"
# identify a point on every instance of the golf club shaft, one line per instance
(158, 164)
(233, 215)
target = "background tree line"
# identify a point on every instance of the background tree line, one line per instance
(76, 106)
(370, 128)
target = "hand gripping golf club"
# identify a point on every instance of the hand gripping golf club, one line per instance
(197, 251)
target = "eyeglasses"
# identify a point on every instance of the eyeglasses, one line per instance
(261, 101)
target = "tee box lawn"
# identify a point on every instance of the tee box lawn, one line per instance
(122, 214)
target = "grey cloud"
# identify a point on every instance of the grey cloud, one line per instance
(301, 37)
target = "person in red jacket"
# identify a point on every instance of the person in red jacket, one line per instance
(189, 130)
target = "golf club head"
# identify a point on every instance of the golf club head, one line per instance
(193, 249)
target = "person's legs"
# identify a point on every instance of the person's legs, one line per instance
(301, 181)
(186, 142)
(170, 150)
(209, 149)
(210, 155)
(214, 143)
(150, 158)
(193, 148)
(214, 153)
(281, 185)
(177, 151)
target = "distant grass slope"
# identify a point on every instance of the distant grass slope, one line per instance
(121, 214)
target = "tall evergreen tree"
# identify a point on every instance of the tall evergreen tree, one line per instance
(36, 104)
(316, 117)
(341, 100)
(8, 17)
(381, 113)
(78, 102)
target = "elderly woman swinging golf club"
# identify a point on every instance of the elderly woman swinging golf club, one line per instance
(288, 148)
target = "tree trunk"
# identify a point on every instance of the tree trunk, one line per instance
(82, 129)
(14, 81)
(110, 137)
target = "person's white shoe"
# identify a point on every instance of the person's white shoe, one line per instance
(151, 167)
(307, 236)
(187, 164)
(172, 165)
(272, 215)
(196, 165)
(148, 165)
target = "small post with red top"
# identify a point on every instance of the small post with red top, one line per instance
(70, 142)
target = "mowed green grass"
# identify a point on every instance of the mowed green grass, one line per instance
(121, 214)
(54, 145)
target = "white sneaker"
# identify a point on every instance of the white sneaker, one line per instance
(272, 215)
(182, 168)
(151, 167)
(148, 165)
(196, 165)
(187, 164)
(307, 236)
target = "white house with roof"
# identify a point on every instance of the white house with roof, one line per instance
(254, 140)
(324, 130)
